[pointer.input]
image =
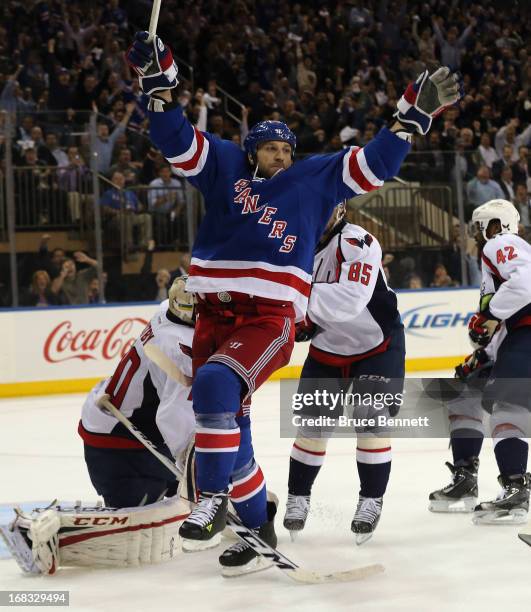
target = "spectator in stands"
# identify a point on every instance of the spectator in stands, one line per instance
(154, 288)
(522, 201)
(506, 183)
(61, 90)
(11, 98)
(487, 152)
(51, 262)
(105, 141)
(414, 282)
(505, 161)
(32, 184)
(482, 188)
(165, 203)
(75, 180)
(441, 278)
(184, 264)
(54, 153)
(40, 292)
(74, 283)
(522, 168)
(162, 280)
(151, 166)
(507, 135)
(126, 166)
(451, 48)
(93, 291)
(120, 204)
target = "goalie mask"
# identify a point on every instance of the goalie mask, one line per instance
(182, 302)
(500, 210)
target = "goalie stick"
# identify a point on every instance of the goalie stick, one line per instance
(291, 569)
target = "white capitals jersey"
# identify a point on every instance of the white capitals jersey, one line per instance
(350, 301)
(506, 272)
(146, 392)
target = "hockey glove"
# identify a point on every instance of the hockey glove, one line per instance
(473, 365)
(427, 97)
(153, 62)
(481, 328)
(305, 330)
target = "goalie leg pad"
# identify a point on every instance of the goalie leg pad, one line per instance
(98, 536)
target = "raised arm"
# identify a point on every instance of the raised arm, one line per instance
(196, 155)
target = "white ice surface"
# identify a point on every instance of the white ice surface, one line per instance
(433, 562)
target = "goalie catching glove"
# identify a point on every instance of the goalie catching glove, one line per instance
(153, 62)
(427, 97)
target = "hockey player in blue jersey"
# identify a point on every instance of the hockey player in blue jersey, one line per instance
(252, 265)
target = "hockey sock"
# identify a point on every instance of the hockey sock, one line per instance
(466, 443)
(216, 395)
(249, 495)
(304, 465)
(511, 455)
(374, 468)
(215, 453)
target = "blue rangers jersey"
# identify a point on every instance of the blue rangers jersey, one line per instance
(258, 236)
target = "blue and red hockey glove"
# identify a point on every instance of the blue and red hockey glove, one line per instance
(427, 97)
(153, 62)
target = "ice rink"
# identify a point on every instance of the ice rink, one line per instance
(432, 562)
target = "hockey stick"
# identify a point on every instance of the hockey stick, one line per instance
(155, 10)
(247, 535)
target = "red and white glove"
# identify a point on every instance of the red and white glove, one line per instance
(481, 328)
(153, 62)
(427, 97)
(473, 365)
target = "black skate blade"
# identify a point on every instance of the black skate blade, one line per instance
(525, 537)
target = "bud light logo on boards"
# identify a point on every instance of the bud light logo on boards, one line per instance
(424, 321)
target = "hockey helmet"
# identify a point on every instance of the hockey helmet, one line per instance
(499, 209)
(181, 302)
(268, 130)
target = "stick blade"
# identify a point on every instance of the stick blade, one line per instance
(525, 537)
(358, 573)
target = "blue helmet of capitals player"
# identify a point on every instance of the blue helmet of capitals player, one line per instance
(268, 131)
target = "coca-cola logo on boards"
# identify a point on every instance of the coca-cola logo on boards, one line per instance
(64, 342)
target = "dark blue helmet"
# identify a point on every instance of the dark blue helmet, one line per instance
(268, 130)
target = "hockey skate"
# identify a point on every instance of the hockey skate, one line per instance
(297, 509)
(461, 495)
(240, 558)
(202, 529)
(511, 505)
(366, 518)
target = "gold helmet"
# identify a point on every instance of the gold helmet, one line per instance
(181, 302)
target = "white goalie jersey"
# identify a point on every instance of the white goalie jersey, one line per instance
(350, 301)
(150, 387)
